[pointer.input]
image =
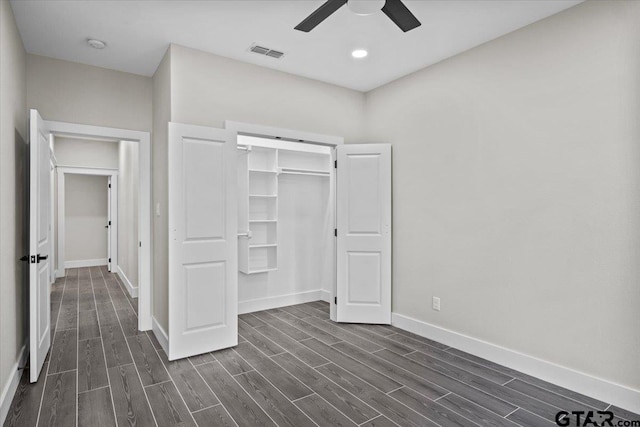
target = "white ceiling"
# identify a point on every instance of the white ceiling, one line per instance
(138, 33)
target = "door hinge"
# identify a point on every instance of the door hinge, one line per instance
(109, 259)
(335, 300)
(109, 222)
(109, 185)
(140, 244)
(335, 164)
(335, 232)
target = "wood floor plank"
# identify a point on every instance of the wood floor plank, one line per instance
(423, 356)
(624, 414)
(190, 385)
(232, 361)
(154, 340)
(147, 361)
(422, 386)
(475, 395)
(240, 406)
(272, 401)
(96, 409)
(59, 400)
(251, 320)
(474, 412)
(64, 351)
(344, 335)
(129, 322)
(308, 328)
(302, 352)
(432, 410)
(378, 339)
(341, 399)
(26, 402)
(129, 400)
(216, 416)
(285, 382)
(375, 378)
(294, 311)
(265, 345)
(384, 404)
(380, 421)
(322, 413)
(115, 346)
(167, 406)
(527, 419)
(545, 396)
(88, 325)
(86, 301)
(282, 326)
(107, 314)
(199, 359)
(68, 314)
(312, 311)
(92, 370)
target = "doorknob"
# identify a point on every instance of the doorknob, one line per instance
(40, 258)
(25, 258)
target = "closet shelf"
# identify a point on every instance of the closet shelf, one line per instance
(265, 245)
(257, 221)
(262, 171)
(296, 171)
(263, 270)
(263, 195)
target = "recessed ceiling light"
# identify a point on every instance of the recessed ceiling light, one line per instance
(96, 44)
(359, 53)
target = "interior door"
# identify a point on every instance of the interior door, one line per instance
(203, 270)
(363, 187)
(108, 225)
(39, 244)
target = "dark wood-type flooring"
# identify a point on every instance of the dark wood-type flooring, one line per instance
(292, 367)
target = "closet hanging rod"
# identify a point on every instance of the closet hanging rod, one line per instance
(292, 171)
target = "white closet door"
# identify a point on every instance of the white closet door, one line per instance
(364, 233)
(203, 272)
(39, 244)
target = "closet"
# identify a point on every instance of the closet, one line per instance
(259, 222)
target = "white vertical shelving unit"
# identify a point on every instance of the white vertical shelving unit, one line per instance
(258, 186)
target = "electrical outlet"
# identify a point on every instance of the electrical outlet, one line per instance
(436, 303)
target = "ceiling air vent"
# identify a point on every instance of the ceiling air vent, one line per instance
(266, 51)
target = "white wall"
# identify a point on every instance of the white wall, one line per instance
(13, 131)
(207, 89)
(77, 93)
(86, 153)
(86, 215)
(128, 211)
(517, 190)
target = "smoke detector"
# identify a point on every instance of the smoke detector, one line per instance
(261, 50)
(96, 44)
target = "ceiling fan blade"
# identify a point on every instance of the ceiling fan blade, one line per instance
(400, 15)
(320, 14)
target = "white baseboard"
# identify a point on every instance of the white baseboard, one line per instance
(580, 382)
(10, 387)
(325, 296)
(133, 290)
(160, 334)
(86, 263)
(268, 303)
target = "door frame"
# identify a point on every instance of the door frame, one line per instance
(112, 207)
(143, 139)
(271, 132)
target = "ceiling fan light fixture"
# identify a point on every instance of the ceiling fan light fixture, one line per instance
(359, 53)
(365, 7)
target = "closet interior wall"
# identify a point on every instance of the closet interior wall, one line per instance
(286, 216)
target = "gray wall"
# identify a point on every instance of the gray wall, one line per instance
(13, 131)
(86, 215)
(86, 153)
(128, 210)
(517, 190)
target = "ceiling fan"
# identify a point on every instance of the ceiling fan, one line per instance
(394, 9)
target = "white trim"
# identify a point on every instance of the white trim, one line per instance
(133, 290)
(268, 303)
(281, 133)
(11, 386)
(161, 335)
(143, 139)
(88, 171)
(85, 263)
(580, 382)
(325, 296)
